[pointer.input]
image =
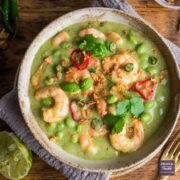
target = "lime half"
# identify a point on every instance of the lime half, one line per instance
(15, 158)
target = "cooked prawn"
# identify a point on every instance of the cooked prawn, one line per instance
(60, 108)
(86, 142)
(96, 33)
(59, 38)
(75, 75)
(127, 141)
(114, 67)
(36, 78)
(115, 37)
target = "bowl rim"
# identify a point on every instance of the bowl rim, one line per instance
(36, 134)
(167, 5)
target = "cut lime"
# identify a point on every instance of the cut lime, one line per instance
(15, 158)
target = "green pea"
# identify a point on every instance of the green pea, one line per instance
(79, 128)
(60, 126)
(46, 102)
(153, 71)
(47, 82)
(140, 48)
(60, 135)
(144, 57)
(52, 125)
(146, 117)
(130, 94)
(132, 39)
(129, 67)
(57, 53)
(96, 124)
(152, 60)
(70, 123)
(74, 138)
(86, 83)
(149, 105)
(112, 99)
(66, 44)
(70, 87)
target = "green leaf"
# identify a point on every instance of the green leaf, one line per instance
(122, 107)
(118, 127)
(110, 120)
(137, 106)
(95, 45)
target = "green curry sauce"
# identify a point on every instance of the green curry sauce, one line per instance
(66, 133)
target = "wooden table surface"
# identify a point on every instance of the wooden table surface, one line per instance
(35, 14)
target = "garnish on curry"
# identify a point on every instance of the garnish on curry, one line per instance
(99, 89)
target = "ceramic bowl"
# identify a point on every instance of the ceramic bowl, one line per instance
(150, 147)
(168, 5)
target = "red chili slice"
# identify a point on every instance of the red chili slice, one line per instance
(74, 111)
(146, 88)
(80, 59)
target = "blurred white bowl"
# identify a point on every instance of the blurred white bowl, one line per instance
(168, 5)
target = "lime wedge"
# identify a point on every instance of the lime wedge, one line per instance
(15, 158)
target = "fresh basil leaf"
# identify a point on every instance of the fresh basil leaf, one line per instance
(118, 127)
(137, 106)
(122, 107)
(110, 120)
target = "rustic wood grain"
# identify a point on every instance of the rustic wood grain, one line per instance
(35, 14)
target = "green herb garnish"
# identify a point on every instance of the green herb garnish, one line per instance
(134, 105)
(137, 106)
(118, 127)
(114, 123)
(122, 107)
(110, 120)
(96, 46)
